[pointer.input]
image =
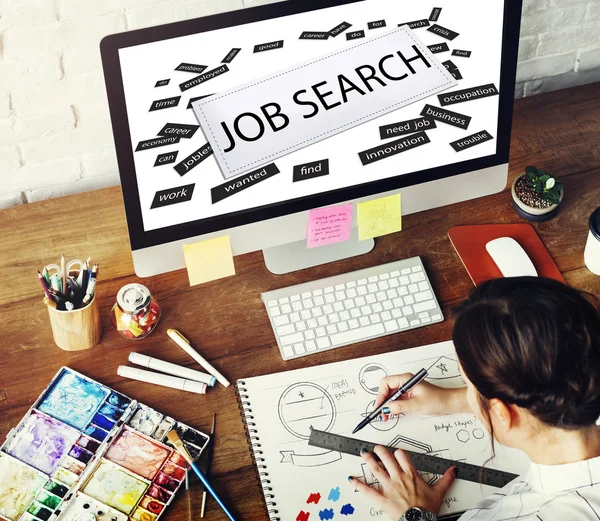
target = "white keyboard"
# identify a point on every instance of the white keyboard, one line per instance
(352, 307)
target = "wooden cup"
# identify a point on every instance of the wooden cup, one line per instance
(78, 329)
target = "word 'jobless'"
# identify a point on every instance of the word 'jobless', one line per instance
(298, 106)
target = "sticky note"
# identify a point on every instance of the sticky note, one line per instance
(209, 260)
(329, 225)
(379, 217)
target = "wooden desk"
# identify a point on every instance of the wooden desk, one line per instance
(226, 320)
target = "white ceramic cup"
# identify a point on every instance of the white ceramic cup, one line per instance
(591, 255)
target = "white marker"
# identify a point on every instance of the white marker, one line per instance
(161, 379)
(169, 368)
(184, 343)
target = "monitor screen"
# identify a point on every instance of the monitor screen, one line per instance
(250, 115)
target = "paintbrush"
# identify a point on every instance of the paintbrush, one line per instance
(209, 457)
(180, 447)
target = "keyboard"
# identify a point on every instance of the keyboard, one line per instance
(351, 307)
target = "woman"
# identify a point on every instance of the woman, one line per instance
(529, 351)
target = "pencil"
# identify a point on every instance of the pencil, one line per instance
(64, 275)
(43, 283)
(209, 457)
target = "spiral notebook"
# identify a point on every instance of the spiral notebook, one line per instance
(303, 483)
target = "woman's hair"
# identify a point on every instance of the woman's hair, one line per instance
(535, 343)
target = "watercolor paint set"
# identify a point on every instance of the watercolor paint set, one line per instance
(85, 452)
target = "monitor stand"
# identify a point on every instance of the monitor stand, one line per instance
(296, 256)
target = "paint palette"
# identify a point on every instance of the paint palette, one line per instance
(84, 452)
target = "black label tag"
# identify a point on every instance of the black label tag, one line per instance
(460, 96)
(446, 116)
(196, 99)
(376, 24)
(261, 47)
(471, 141)
(449, 64)
(435, 14)
(406, 127)
(313, 35)
(392, 148)
(456, 74)
(162, 83)
(178, 129)
(166, 103)
(191, 67)
(165, 159)
(311, 170)
(416, 24)
(438, 47)
(194, 159)
(157, 142)
(203, 77)
(355, 35)
(339, 29)
(218, 193)
(443, 32)
(175, 195)
(231, 55)
(462, 54)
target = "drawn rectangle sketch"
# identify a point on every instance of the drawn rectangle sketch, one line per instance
(309, 483)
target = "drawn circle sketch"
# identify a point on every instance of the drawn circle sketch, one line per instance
(379, 425)
(370, 376)
(478, 433)
(303, 406)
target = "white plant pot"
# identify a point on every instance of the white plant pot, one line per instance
(531, 213)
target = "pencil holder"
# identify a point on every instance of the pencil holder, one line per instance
(77, 329)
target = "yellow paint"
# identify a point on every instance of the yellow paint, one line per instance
(209, 260)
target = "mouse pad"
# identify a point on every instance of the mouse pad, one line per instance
(469, 242)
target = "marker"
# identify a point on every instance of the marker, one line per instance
(161, 379)
(172, 369)
(43, 283)
(402, 390)
(91, 286)
(184, 343)
(64, 273)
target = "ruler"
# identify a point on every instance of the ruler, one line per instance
(422, 462)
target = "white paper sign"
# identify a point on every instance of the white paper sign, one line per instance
(254, 124)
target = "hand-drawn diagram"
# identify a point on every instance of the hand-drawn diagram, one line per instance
(370, 376)
(378, 424)
(444, 368)
(303, 406)
(463, 435)
(478, 433)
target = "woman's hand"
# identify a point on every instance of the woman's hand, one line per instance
(402, 487)
(424, 398)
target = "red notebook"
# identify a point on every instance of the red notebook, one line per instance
(469, 242)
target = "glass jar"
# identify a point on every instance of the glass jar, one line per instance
(591, 255)
(136, 312)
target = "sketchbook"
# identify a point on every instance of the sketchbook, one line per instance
(303, 483)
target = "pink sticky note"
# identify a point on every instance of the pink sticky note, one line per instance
(329, 225)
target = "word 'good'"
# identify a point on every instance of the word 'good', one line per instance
(446, 116)
(175, 195)
(157, 142)
(218, 193)
(255, 123)
(471, 141)
(392, 148)
(406, 127)
(165, 103)
(261, 47)
(194, 159)
(460, 96)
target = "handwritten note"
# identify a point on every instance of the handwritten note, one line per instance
(379, 217)
(209, 260)
(329, 225)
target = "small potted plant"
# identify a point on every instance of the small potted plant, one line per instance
(536, 194)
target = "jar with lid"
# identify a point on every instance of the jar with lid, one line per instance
(592, 248)
(136, 312)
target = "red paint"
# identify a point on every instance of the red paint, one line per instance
(314, 498)
(303, 516)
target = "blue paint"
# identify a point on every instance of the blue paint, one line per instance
(334, 494)
(347, 510)
(95, 432)
(119, 401)
(326, 514)
(111, 412)
(73, 400)
(103, 422)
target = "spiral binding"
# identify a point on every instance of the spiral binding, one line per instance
(255, 451)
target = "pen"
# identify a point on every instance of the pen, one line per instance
(209, 457)
(64, 274)
(43, 283)
(402, 390)
(89, 292)
(184, 343)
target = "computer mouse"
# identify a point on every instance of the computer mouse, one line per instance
(510, 257)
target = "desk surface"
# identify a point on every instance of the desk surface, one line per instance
(226, 319)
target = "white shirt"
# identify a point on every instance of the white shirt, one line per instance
(569, 492)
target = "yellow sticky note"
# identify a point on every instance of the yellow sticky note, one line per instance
(209, 260)
(379, 217)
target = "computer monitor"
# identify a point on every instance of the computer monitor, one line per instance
(241, 122)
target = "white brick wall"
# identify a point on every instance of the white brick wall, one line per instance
(55, 134)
